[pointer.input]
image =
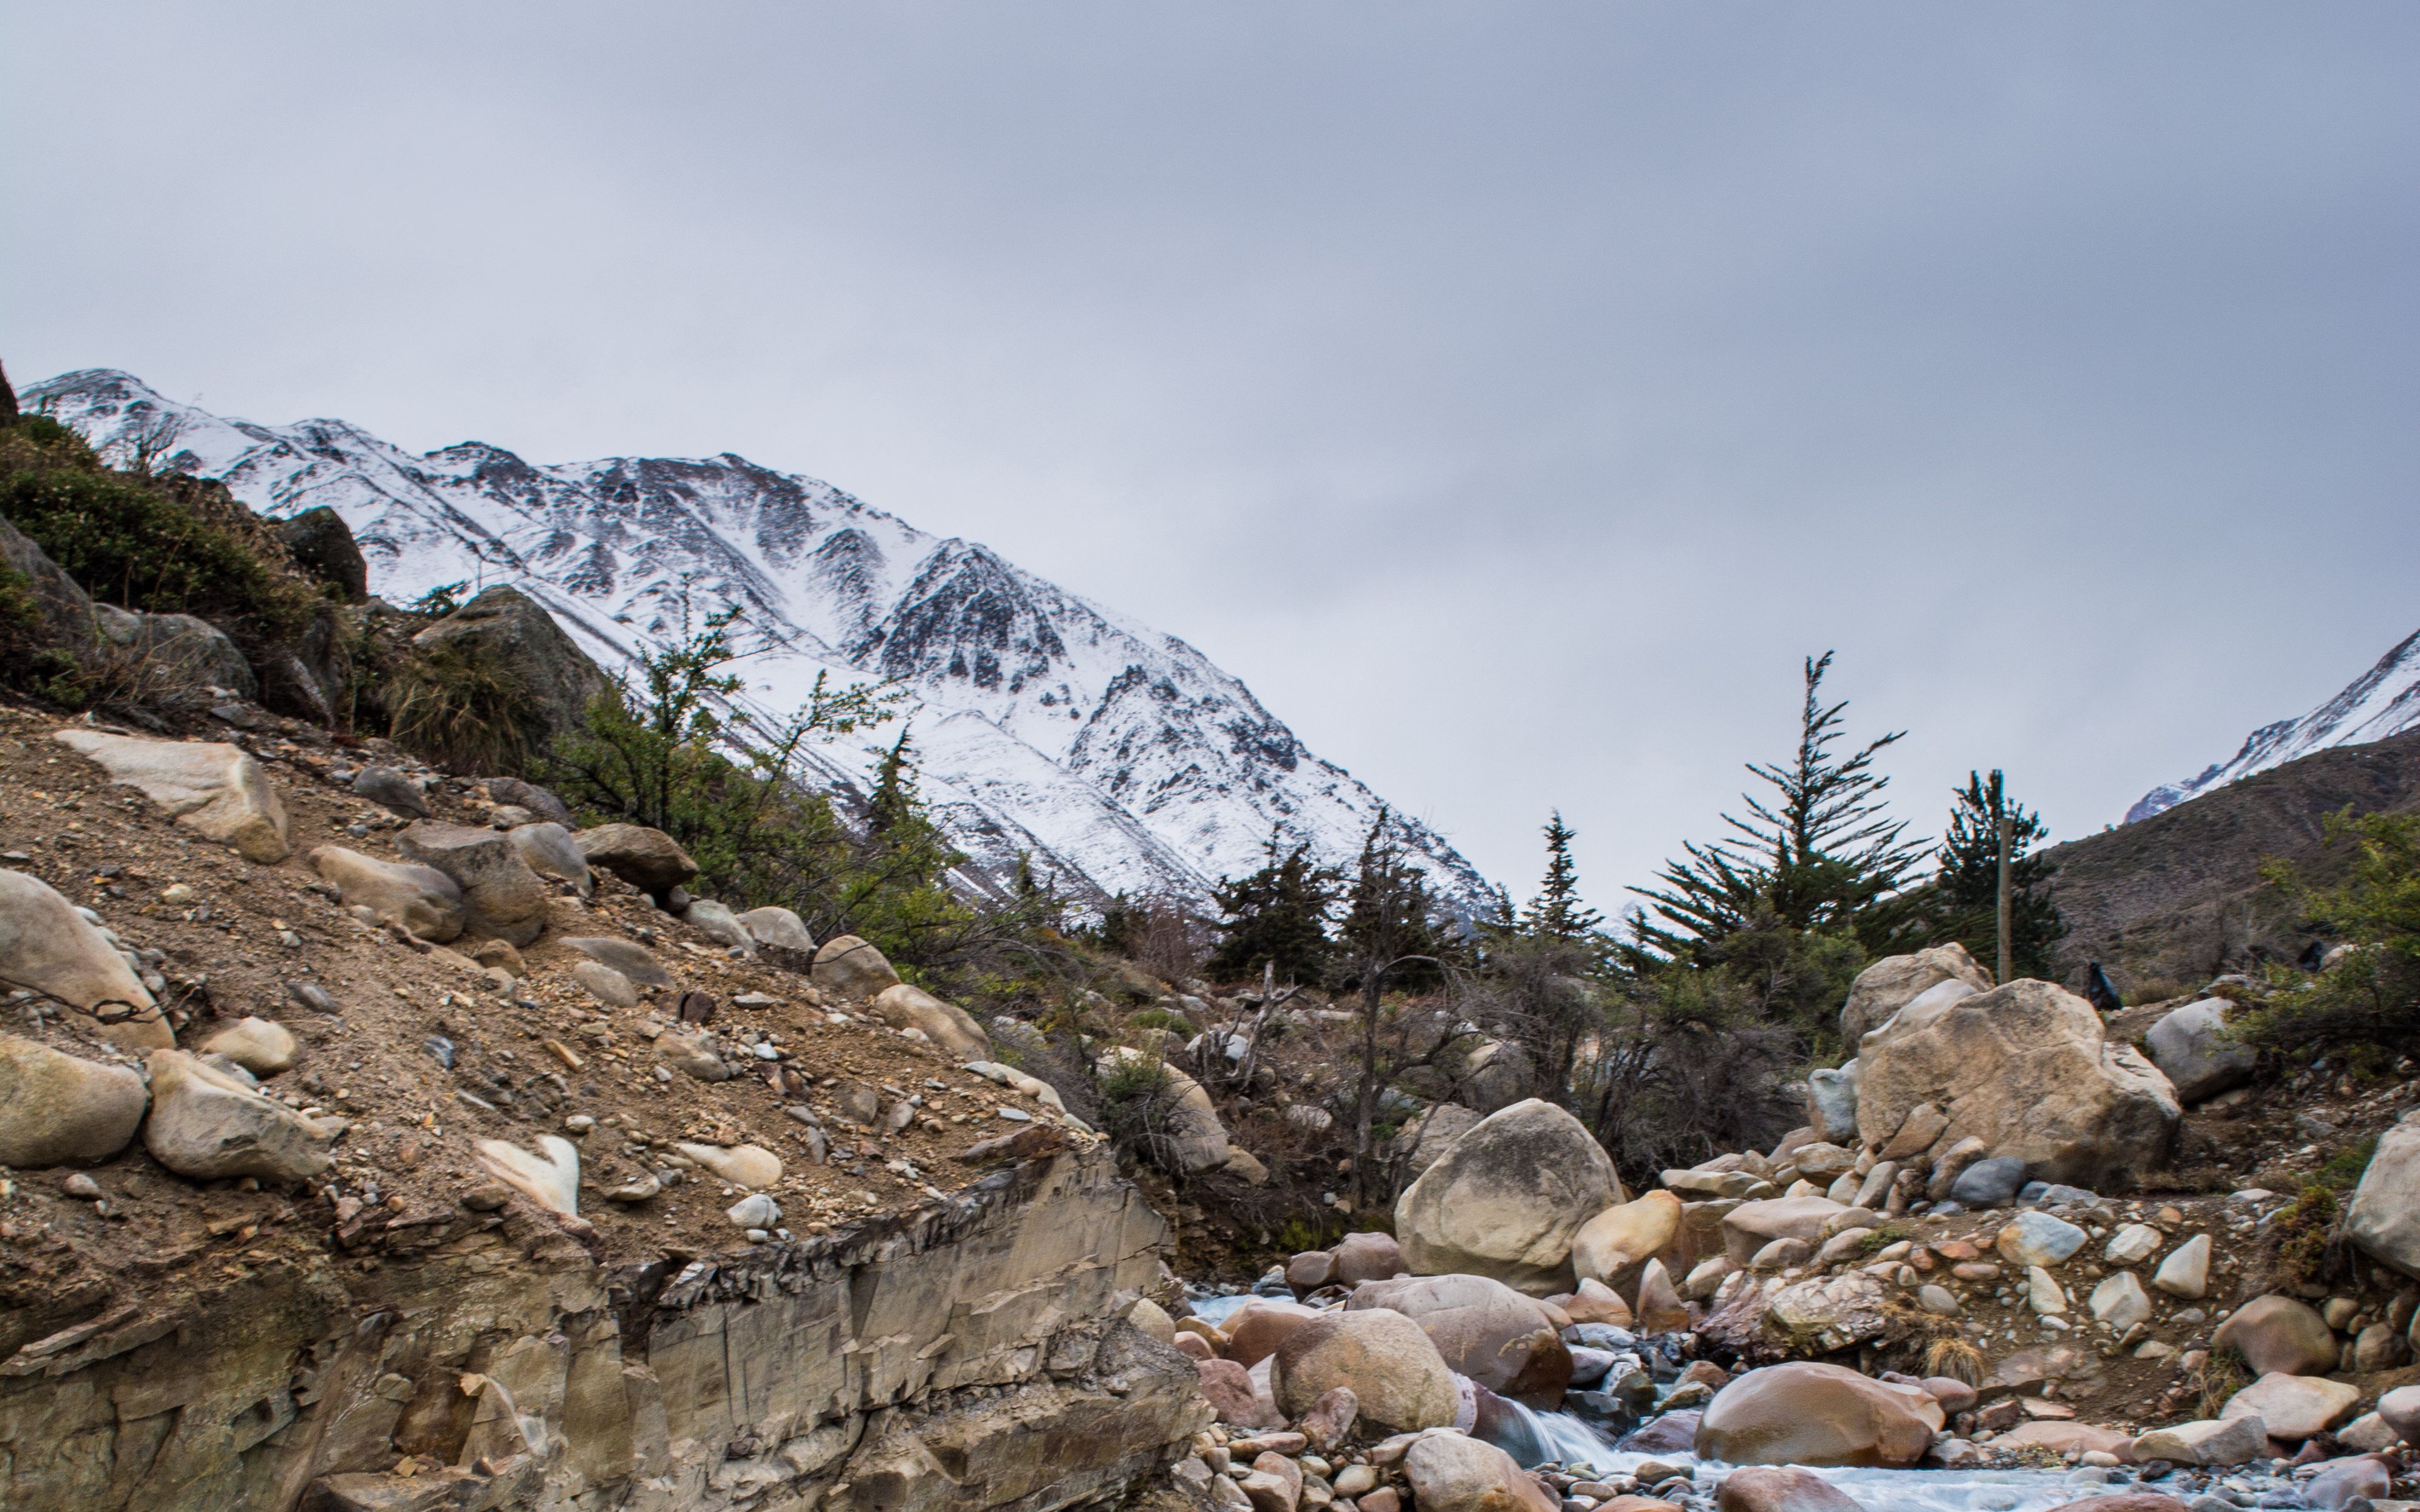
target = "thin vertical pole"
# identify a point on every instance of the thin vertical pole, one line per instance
(2008, 903)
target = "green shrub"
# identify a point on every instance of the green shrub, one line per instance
(2342, 1171)
(28, 663)
(460, 709)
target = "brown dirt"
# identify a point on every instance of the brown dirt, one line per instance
(249, 931)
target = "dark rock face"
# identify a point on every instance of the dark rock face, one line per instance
(514, 633)
(323, 545)
(2177, 897)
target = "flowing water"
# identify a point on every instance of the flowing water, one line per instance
(1567, 1440)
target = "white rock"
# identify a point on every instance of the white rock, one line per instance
(2133, 1245)
(2207, 1442)
(548, 848)
(746, 1166)
(2120, 1301)
(420, 898)
(779, 926)
(2291, 1408)
(2042, 1293)
(720, 924)
(218, 791)
(2186, 1272)
(2384, 1218)
(550, 1179)
(757, 1211)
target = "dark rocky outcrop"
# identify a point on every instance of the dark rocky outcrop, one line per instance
(323, 546)
(507, 630)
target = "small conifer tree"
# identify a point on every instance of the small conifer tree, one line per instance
(1557, 913)
(1965, 889)
(1277, 917)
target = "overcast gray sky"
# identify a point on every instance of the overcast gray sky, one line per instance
(1510, 393)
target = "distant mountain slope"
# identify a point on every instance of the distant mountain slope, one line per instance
(1120, 758)
(2383, 702)
(2177, 897)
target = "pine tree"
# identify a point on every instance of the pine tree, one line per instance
(1819, 853)
(1277, 917)
(894, 796)
(1557, 913)
(1965, 902)
(1390, 937)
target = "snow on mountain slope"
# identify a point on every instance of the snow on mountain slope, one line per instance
(1122, 759)
(2383, 702)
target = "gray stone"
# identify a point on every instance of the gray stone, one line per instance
(1832, 1103)
(217, 791)
(2385, 1217)
(537, 800)
(2189, 1046)
(2186, 1270)
(631, 960)
(548, 848)
(503, 897)
(1508, 1200)
(852, 968)
(2037, 1238)
(717, 923)
(945, 1024)
(1891, 983)
(605, 984)
(392, 790)
(419, 899)
(259, 1047)
(169, 658)
(779, 926)
(2121, 1302)
(1989, 1183)
(210, 1126)
(323, 545)
(2207, 1442)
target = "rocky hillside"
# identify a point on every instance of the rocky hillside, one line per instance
(2178, 898)
(2380, 703)
(1117, 755)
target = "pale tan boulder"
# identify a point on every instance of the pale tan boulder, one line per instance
(1256, 1329)
(848, 966)
(946, 1024)
(1660, 1309)
(1400, 1381)
(1507, 1200)
(55, 1107)
(259, 1047)
(1616, 1245)
(2384, 1221)
(2023, 1068)
(1153, 1320)
(217, 791)
(1896, 981)
(548, 848)
(550, 1179)
(1752, 1226)
(49, 947)
(1484, 1328)
(207, 1124)
(1805, 1413)
(1454, 1473)
(2292, 1408)
(1431, 1135)
(753, 1166)
(420, 899)
(2280, 1336)
(775, 925)
(1368, 1256)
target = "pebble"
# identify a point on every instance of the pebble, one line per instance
(81, 1185)
(755, 1212)
(1014, 1115)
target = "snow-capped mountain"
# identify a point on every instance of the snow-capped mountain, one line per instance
(2382, 701)
(1120, 758)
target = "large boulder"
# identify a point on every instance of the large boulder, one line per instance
(1752, 1226)
(207, 1124)
(504, 898)
(57, 1107)
(852, 968)
(1832, 1103)
(1454, 1473)
(2292, 1408)
(548, 848)
(170, 658)
(1896, 981)
(1780, 1488)
(1805, 1413)
(1256, 1329)
(647, 859)
(1368, 1256)
(775, 925)
(2280, 1336)
(2384, 1218)
(946, 1024)
(217, 791)
(1433, 1134)
(420, 898)
(1191, 1134)
(1616, 1245)
(510, 633)
(1507, 1200)
(2025, 1068)
(1484, 1328)
(2190, 1049)
(49, 947)
(631, 960)
(322, 546)
(1395, 1373)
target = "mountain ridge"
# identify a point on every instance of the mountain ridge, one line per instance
(2381, 703)
(1120, 758)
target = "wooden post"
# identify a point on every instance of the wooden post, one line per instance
(2008, 903)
